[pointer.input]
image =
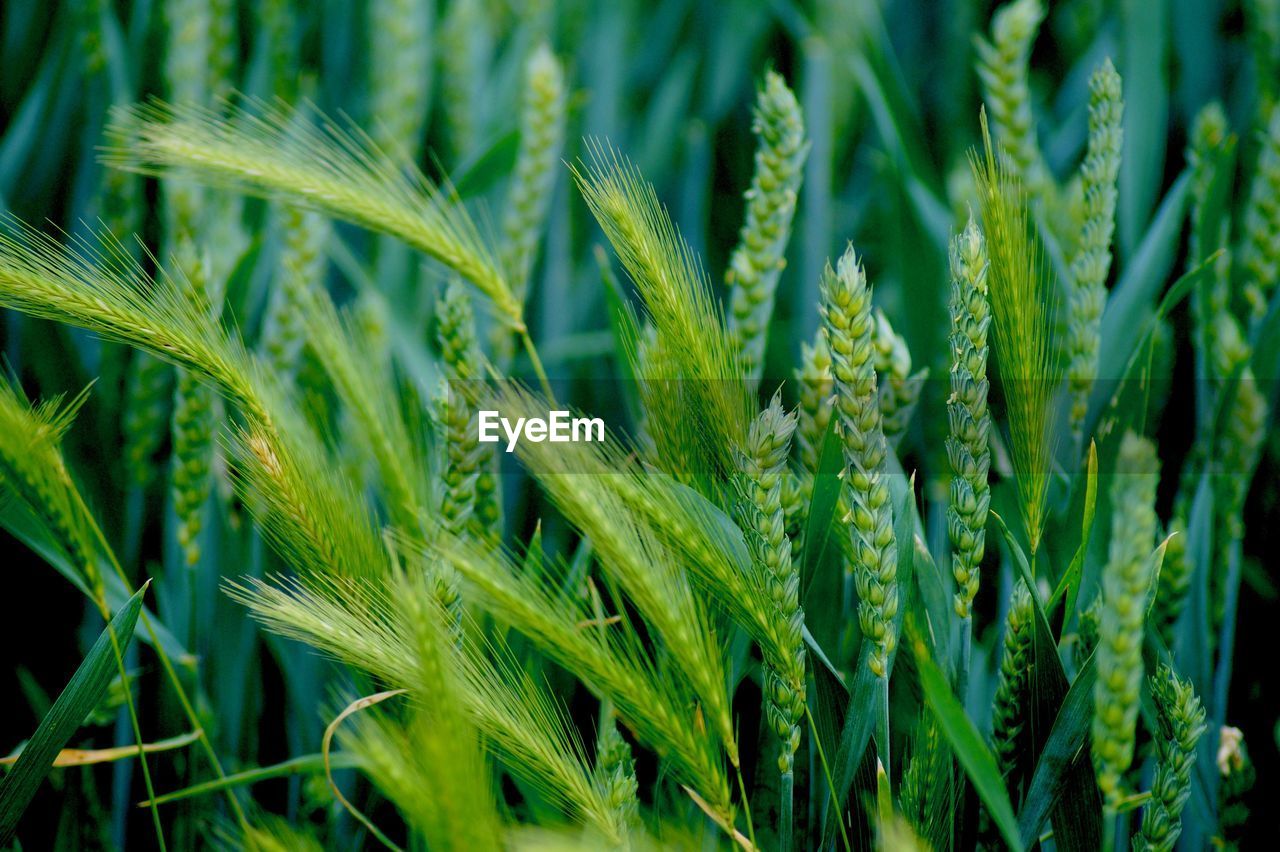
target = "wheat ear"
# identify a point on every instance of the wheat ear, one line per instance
(899, 387)
(1009, 709)
(400, 69)
(1180, 722)
(763, 466)
(1092, 262)
(542, 118)
(301, 267)
(846, 312)
(1003, 67)
(758, 259)
(471, 486)
(1125, 586)
(1260, 255)
(969, 444)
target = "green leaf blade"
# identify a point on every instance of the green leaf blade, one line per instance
(78, 699)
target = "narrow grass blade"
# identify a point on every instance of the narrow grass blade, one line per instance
(81, 695)
(1145, 40)
(966, 743)
(307, 764)
(89, 757)
(1077, 813)
(1069, 585)
(1134, 295)
(1066, 746)
(822, 508)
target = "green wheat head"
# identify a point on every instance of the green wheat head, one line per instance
(757, 262)
(1126, 581)
(846, 312)
(968, 445)
(1092, 262)
(1180, 724)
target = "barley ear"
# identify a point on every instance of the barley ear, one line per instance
(698, 388)
(1022, 303)
(1125, 585)
(33, 470)
(758, 259)
(1092, 262)
(969, 442)
(846, 313)
(1180, 722)
(265, 150)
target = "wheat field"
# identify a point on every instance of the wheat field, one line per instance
(477, 424)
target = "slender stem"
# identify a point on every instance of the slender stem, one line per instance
(785, 817)
(882, 725)
(746, 808)
(539, 371)
(125, 681)
(1227, 637)
(966, 650)
(167, 664)
(1108, 829)
(826, 771)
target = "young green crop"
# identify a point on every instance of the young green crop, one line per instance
(685, 633)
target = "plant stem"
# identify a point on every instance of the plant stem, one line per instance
(966, 649)
(125, 680)
(746, 808)
(882, 725)
(539, 371)
(826, 771)
(1108, 829)
(785, 816)
(1227, 637)
(167, 664)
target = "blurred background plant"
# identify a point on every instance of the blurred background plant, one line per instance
(674, 655)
